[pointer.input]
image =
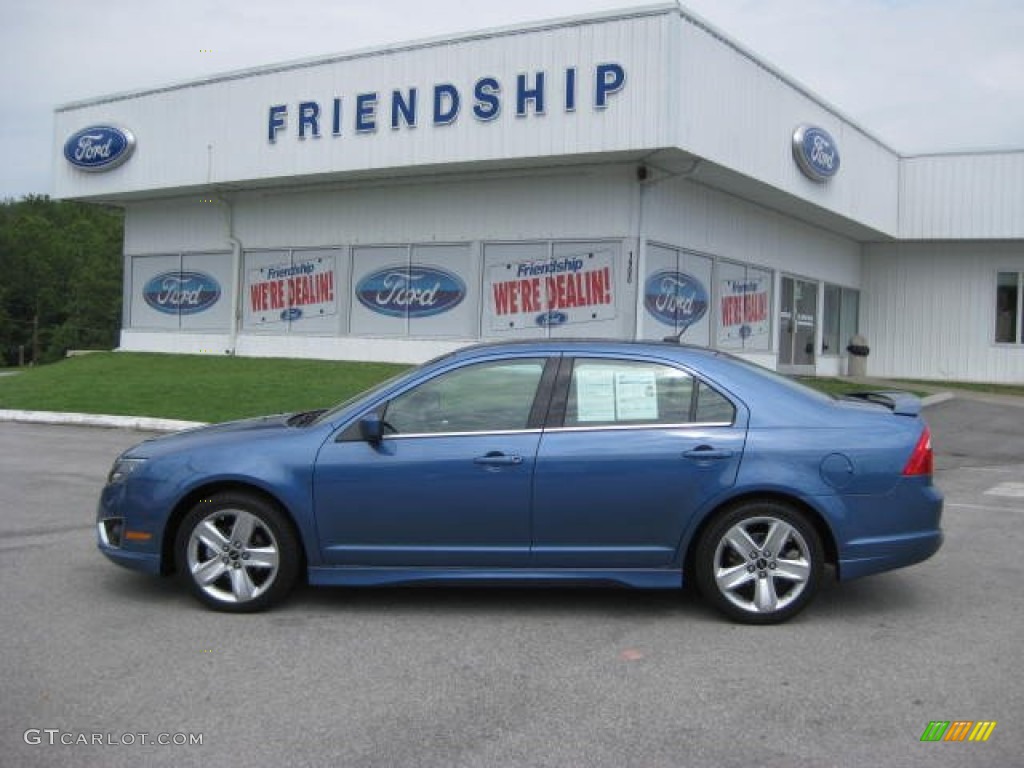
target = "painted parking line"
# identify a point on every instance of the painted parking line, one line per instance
(1007, 490)
(982, 507)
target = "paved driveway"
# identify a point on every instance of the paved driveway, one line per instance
(445, 677)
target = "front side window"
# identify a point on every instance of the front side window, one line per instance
(840, 318)
(485, 397)
(632, 393)
(1008, 307)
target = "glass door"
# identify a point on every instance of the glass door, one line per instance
(798, 319)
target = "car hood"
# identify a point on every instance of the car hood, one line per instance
(213, 434)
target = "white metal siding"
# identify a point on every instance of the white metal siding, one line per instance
(977, 196)
(216, 132)
(739, 114)
(702, 219)
(928, 311)
(172, 226)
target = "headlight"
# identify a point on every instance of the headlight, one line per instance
(122, 468)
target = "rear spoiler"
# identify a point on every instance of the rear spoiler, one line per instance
(900, 403)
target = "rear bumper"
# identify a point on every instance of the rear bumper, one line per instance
(892, 531)
(867, 556)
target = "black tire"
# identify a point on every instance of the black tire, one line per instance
(237, 552)
(759, 585)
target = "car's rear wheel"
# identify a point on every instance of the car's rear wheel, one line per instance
(760, 562)
(237, 552)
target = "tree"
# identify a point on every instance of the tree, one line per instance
(60, 277)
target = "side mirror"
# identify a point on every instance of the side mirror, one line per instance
(371, 427)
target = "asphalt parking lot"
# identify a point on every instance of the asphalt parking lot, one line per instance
(477, 677)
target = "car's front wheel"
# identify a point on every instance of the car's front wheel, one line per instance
(760, 562)
(237, 552)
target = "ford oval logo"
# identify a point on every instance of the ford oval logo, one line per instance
(552, 318)
(675, 298)
(99, 147)
(418, 291)
(181, 293)
(816, 153)
(292, 313)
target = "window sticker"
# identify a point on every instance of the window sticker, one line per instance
(595, 394)
(636, 396)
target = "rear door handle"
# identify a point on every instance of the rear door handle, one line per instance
(497, 458)
(706, 452)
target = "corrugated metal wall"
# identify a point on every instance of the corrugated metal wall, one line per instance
(976, 196)
(705, 220)
(217, 132)
(574, 203)
(928, 311)
(736, 112)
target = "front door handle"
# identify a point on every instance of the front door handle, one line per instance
(499, 459)
(706, 452)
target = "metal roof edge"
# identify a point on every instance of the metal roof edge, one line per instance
(503, 31)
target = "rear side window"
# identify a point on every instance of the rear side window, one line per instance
(635, 393)
(713, 407)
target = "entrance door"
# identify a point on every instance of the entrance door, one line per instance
(798, 319)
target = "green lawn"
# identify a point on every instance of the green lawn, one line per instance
(845, 386)
(192, 387)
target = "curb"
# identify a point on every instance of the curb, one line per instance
(142, 423)
(938, 397)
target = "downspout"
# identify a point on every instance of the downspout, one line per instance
(640, 262)
(644, 181)
(236, 271)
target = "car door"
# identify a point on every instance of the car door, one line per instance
(449, 484)
(635, 449)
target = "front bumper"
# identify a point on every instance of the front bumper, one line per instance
(147, 562)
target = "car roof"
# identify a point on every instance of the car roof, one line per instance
(589, 345)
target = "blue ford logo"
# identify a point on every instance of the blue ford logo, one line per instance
(181, 293)
(418, 291)
(552, 318)
(675, 298)
(816, 153)
(292, 313)
(99, 147)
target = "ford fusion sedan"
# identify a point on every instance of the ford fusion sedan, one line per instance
(552, 462)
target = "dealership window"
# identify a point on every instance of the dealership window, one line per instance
(293, 290)
(677, 295)
(181, 292)
(420, 291)
(1008, 307)
(839, 323)
(744, 306)
(550, 289)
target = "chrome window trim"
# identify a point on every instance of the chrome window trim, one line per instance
(658, 425)
(595, 428)
(465, 434)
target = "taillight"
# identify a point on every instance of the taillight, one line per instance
(920, 461)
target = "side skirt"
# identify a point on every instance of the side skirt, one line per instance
(358, 576)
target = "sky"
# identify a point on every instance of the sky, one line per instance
(923, 76)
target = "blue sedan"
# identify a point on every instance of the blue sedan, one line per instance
(559, 461)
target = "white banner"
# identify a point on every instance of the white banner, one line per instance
(543, 293)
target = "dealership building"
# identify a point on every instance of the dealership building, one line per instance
(634, 174)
